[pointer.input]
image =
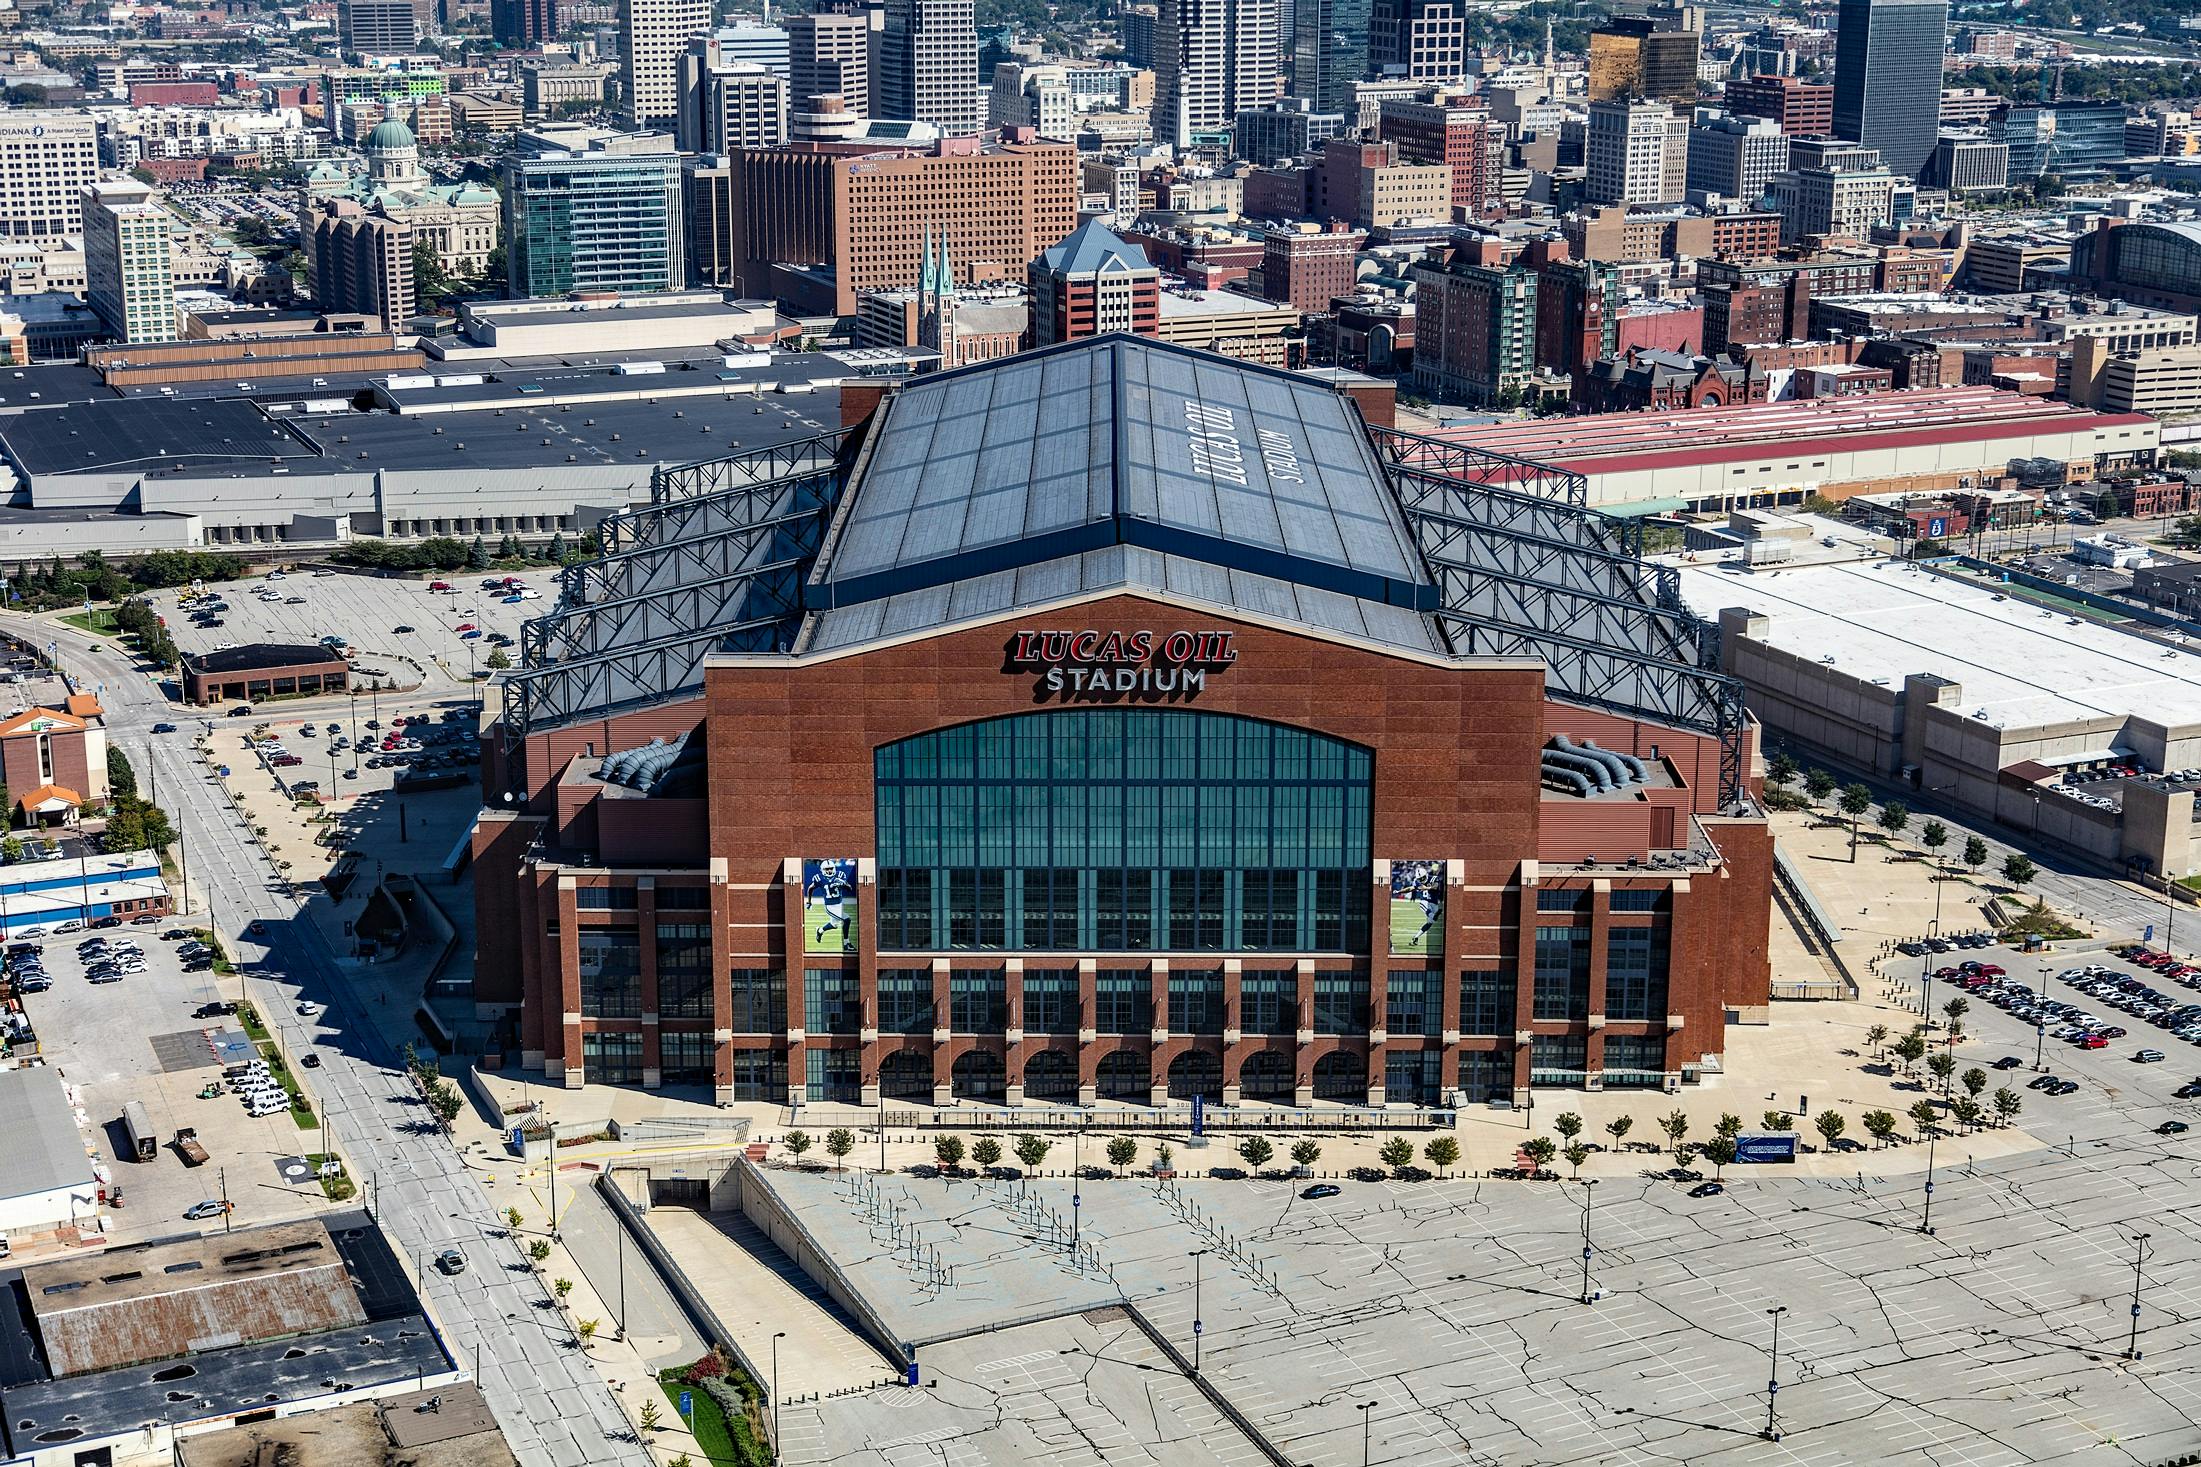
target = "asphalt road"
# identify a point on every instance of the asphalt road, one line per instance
(553, 1406)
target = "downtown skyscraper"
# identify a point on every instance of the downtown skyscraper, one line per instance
(1212, 60)
(1887, 78)
(925, 65)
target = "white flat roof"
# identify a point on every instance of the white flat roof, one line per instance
(2019, 665)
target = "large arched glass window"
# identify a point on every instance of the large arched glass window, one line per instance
(1123, 830)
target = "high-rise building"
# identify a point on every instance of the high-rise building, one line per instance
(1887, 78)
(591, 210)
(1475, 326)
(362, 263)
(653, 38)
(1308, 268)
(1033, 96)
(1631, 57)
(706, 197)
(1329, 51)
(1802, 108)
(1638, 153)
(768, 46)
(47, 161)
(726, 103)
(128, 279)
(1213, 60)
(1460, 133)
(1091, 284)
(864, 229)
(1138, 35)
(1735, 156)
(382, 27)
(829, 54)
(1965, 163)
(1290, 129)
(1418, 40)
(924, 65)
(1831, 201)
(523, 24)
(1370, 185)
(1577, 308)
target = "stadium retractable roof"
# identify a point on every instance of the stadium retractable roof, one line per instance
(1122, 462)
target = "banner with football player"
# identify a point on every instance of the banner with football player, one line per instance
(1417, 908)
(829, 905)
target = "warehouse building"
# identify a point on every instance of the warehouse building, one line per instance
(1114, 723)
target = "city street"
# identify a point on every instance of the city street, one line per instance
(549, 1399)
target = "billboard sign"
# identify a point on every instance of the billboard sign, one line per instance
(829, 905)
(1417, 908)
(1765, 1146)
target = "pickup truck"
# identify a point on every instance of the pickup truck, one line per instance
(188, 1147)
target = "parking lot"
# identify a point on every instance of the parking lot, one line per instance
(140, 1037)
(401, 629)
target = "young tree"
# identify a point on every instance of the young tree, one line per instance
(561, 1287)
(1925, 1117)
(1975, 1081)
(1880, 1125)
(1567, 1124)
(986, 1152)
(1122, 1151)
(1539, 1150)
(1830, 1124)
(1443, 1153)
(1576, 1154)
(1943, 1065)
(1728, 1125)
(652, 1418)
(2018, 870)
(1956, 1009)
(1894, 815)
(1877, 1037)
(1818, 784)
(1397, 1154)
(948, 1151)
(1975, 852)
(1910, 1049)
(1305, 1152)
(1781, 769)
(838, 1143)
(1933, 835)
(1778, 1120)
(1719, 1151)
(1968, 1113)
(538, 1250)
(796, 1142)
(1856, 800)
(1676, 1126)
(1255, 1152)
(512, 1218)
(586, 1329)
(1618, 1128)
(2007, 1104)
(1031, 1151)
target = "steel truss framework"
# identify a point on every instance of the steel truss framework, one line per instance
(1524, 568)
(714, 562)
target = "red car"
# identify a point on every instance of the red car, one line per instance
(464, 626)
(441, 586)
(1990, 970)
(2093, 1041)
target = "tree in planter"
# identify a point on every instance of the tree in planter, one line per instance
(1443, 1153)
(2007, 1104)
(1855, 801)
(1925, 1117)
(1729, 1125)
(838, 1143)
(1575, 1155)
(1397, 1154)
(986, 1152)
(1818, 784)
(1880, 1125)
(1539, 1150)
(561, 1287)
(1975, 853)
(586, 1330)
(1165, 1160)
(1122, 1151)
(1618, 1128)
(796, 1142)
(1830, 1124)
(2019, 870)
(652, 1418)
(1975, 1081)
(1877, 1037)
(1894, 815)
(1719, 1151)
(1567, 1124)
(1778, 1120)
(1031, 1151)
(538, 1250)
(512, 1218)
(948, 1151)
(1943, 1066)
(1676, 1127)
(1255, 1152)
(1304, 1153)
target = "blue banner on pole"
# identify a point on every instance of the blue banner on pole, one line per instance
(687, 1403)
(1199, 1115)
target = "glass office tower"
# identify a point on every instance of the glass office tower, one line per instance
(1887, 78)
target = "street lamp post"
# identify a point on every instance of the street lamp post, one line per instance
(1077, 1179)
(1367, 1419)
(1196, 1255)
(2040, 1045)
(2139, 1255)
(1926, 1223)
(776, 1388)
(1772, 1433)
(1587, 1184)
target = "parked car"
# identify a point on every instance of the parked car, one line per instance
(201, 1211)
(1319, 1191)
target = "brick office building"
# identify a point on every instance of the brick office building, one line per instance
(1134, 755)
